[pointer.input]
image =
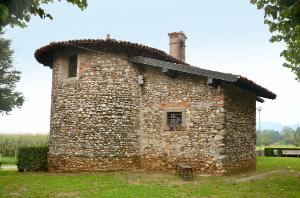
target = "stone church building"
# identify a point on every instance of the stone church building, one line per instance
(118, 105)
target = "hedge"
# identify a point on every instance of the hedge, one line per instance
(32, 159)
(270, 152)
(277, 152)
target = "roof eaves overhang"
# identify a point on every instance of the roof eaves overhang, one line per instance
(184, 68)
(45, 54)
(235, 79)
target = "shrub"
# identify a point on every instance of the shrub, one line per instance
(272, 151)
(268, 152)
(32, 159)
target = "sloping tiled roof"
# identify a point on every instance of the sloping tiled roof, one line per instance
(148, 56)
(44, 55)
(238, 80)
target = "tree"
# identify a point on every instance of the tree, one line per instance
(297, 137)
(17, 13)
(269, 137)
(9, 76)
(291, 136)
(287, 133)
(283, 18)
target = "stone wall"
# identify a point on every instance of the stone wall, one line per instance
(196, 143)
(67, 163)
(94, 116)
(240, 137)
(104, 120)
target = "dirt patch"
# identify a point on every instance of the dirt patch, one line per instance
(69, 194)
(141, 177)
(258, 176)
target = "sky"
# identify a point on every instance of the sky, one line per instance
(227, 36)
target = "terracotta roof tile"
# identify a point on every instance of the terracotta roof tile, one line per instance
(44, 55)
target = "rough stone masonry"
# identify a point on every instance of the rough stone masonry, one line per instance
(110, 113)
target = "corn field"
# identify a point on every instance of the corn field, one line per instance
(9, 143)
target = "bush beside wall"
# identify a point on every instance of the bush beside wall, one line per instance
(32, 159)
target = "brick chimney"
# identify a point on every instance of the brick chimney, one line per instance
(177, 45)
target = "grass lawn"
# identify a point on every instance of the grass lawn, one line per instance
(8, 160)
(276, 177)
(272, 163)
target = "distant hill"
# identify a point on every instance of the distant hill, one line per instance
(274, 126)
(296, 125)
(270, 125)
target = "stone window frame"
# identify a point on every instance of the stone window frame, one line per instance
(175, 110)
(64, 66)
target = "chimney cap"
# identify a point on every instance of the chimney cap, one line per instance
(173, 34)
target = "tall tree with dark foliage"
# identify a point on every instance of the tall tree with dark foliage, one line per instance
(9, 76)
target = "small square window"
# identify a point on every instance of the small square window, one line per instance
(174, 118)
(72, 66)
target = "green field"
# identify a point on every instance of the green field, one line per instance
(10, 143)
(275, 177)
(8, 160)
